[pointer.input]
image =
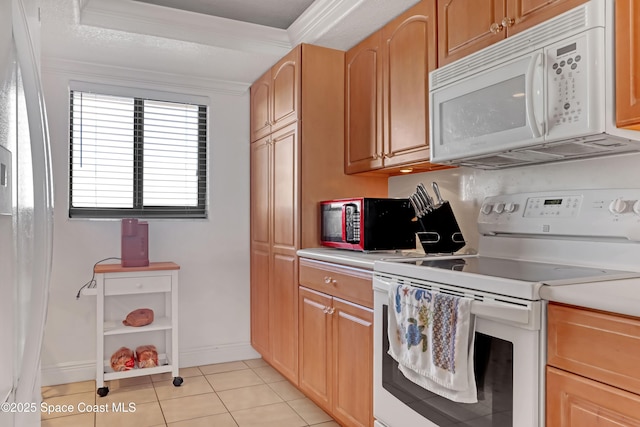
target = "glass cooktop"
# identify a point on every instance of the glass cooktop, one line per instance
(525, 271)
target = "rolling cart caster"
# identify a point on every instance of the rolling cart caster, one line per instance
(103, 391)
(177, 381)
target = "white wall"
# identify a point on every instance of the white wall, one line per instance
(466, 188)
(213, 254)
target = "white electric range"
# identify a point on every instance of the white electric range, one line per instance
(527, 241)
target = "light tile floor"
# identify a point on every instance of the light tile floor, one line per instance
(236, 394)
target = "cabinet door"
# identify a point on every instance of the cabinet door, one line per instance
(353, 364)
(315, 346)
(285, 86)
(523, 14)
(283, 280)
(409, 44)
(260, 107)
(260, 243)
(628, 64)
(363, 106)
(464, 27)
(574, 401)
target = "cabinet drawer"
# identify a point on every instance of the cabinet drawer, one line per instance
(348, 283)
(601, 346)
(136, 285)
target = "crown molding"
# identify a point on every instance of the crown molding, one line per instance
(148, 19)
(319, 18)
(124, 76)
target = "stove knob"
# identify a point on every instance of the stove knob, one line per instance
(499, 208)
(636, 207)
(510, 207)
(617, 206)
(486, 209)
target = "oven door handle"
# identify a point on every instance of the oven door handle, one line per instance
(500, 311)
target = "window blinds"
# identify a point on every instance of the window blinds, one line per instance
(136, 157)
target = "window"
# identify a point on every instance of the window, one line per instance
(136, 157)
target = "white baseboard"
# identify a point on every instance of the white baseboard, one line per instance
(84, 370)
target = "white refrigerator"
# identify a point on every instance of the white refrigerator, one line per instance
(26, 214)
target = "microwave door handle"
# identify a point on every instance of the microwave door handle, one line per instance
(534, 101)
(344, 223)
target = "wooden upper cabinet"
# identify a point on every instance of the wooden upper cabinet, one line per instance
(285, 187)
(275, 96)
(466, 26)
(260, 107)
(363, 106)
(523, 14)
(387, 94)
(628, 64)
(409, 44)
(285, 87)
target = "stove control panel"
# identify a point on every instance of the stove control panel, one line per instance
(606, 213)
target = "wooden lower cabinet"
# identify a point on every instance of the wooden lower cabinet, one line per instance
(335, 324)
(336, 356)
(593, 368)
(352, 364)
(316, 346)
(575, 401)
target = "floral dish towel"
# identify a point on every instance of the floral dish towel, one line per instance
(431, 336)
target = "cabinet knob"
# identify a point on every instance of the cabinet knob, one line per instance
(138, 285)
(507, 22)
(328, 310)
(266, 123)
(330, 280)
(495, 28)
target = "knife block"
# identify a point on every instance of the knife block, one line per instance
(440, 232)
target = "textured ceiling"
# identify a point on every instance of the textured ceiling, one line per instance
(271, 13)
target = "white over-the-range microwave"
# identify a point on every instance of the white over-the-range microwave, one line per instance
(543, 95)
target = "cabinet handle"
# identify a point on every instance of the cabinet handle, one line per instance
(495, 28)
(388, 155)
(266, 123)
(507, 22)
(325, 310)
(375, 156)
(329, 280)
(331, 310)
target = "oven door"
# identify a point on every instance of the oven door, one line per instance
(508, 372)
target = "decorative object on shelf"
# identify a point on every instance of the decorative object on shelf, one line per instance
(139, 317)
(122, 360)
(147, 356)
(134, 243)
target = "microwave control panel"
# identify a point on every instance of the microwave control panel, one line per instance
(572, 70)
(567, 72)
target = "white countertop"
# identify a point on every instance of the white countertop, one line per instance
(357, 259)
(616, 296)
